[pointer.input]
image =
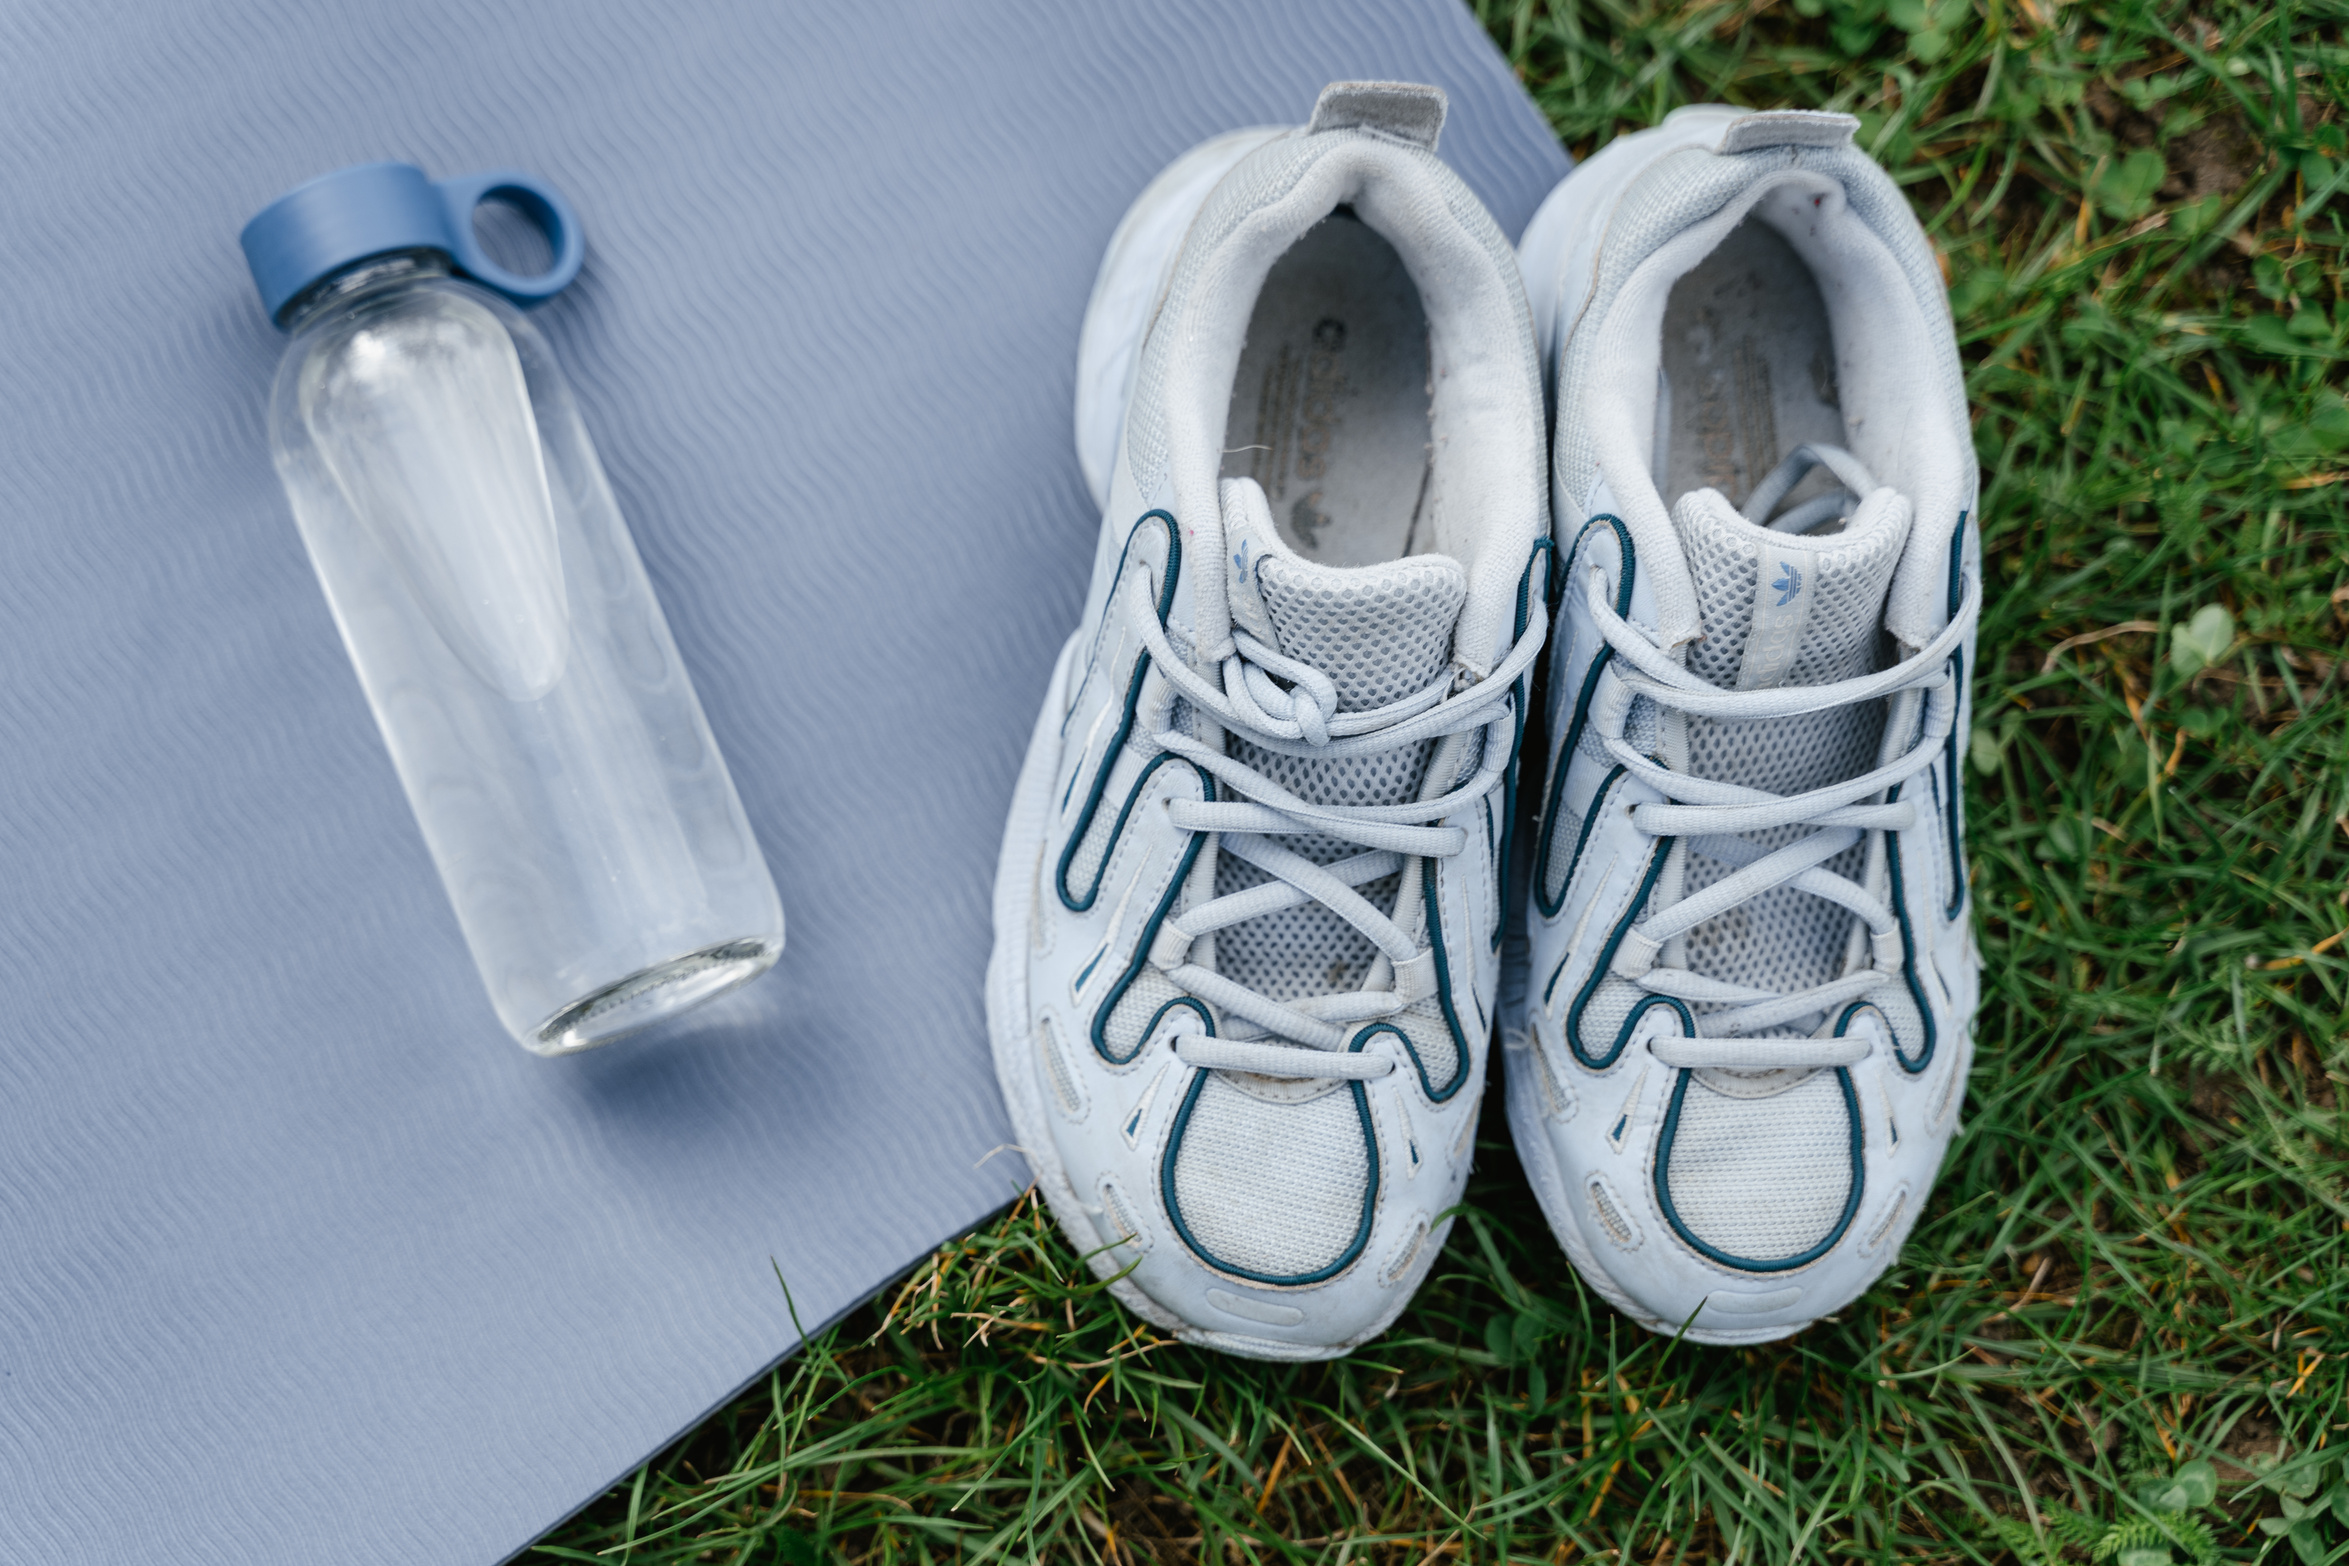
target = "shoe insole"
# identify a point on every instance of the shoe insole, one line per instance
(1748, 371)
(1329, 411)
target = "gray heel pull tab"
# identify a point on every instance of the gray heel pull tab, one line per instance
(1789, 128)
(1408, 111)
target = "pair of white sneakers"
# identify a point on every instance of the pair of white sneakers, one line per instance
(1265, 897)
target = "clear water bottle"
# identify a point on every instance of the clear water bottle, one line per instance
(488, 591)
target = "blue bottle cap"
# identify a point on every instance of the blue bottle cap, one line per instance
(370, 209)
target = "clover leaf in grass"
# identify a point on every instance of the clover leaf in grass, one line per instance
(2125, 187)
(1513, 1339)
(1988, 747)
(2192, 1487)
(2278, 338)
(1929, 24)
(2328, 420)
(2203, 640)
(1986, 751)
(2063, 839)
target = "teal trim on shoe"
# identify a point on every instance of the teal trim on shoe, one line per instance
(1542, 901)
(1843, 1222)
(1353, 1251)
(1908, 956)
(1520, 697)
(1099, 1032)
(1598, 801)
(1590, 986)
(1125, 727)
(1955, 815)
(1443, 968)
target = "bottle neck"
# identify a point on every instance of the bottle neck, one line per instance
(361, 277)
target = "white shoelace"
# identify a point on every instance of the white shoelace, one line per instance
(1309, 1037)
(1713, 818)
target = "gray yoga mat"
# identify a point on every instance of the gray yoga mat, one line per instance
(301, 1259)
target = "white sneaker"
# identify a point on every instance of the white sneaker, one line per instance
(1248, 913)
(1745, 1034)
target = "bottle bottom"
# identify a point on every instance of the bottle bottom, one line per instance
(650, 996)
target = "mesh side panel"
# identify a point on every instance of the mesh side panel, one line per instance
(1788, 755)
(1610, 1213)
(1150, 990)
(1377, 779)
(1064, 1082)
(1120, 1210)
(1594, 747)
(1273, 1189)
(1762, 1179)
(1845, 635)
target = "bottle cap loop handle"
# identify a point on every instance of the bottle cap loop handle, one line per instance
(538, 201)
(371, 209)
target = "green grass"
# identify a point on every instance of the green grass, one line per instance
(2133, 1262)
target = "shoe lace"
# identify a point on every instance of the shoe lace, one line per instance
(1716, 819)
(1309, 1037)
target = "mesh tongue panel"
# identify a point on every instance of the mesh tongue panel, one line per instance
(1854, 572)
(1785, 939)
(1379, 632)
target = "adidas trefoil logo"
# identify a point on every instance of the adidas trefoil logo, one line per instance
(1788, 585)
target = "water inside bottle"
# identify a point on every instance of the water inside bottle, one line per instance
(423, 417)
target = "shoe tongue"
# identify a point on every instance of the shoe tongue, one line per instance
(1779, 609)
(1379, 632)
